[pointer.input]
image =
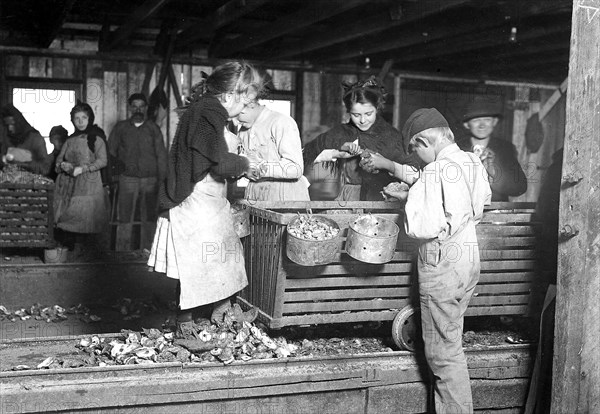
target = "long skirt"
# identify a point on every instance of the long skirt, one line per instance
(80, 203)
(199, 246)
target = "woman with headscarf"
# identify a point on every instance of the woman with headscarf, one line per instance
(25, 147)
(80, 202)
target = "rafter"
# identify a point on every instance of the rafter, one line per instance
(463, 44)
(528, 52)
(409, 37)
(145, 11)
(295, 21)
(224, 15)
(59, 12)
(368, 26)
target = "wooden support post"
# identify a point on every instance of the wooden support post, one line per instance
(397, 99)
(576, 371)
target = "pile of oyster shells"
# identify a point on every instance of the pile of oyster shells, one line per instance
(312, 228)
(14, 174)
(54, 313)
(224, 342)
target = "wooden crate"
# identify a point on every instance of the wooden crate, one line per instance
(26, 215)
(351, 291)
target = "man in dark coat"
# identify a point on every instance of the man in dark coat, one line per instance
(137, 146)
(497, 155)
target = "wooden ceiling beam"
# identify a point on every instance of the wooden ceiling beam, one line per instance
(502, 56)
(411, 38)
(139, 15)
(224, 15)
(287, 24)
(368, 26)
(462, 44)
(59, 12)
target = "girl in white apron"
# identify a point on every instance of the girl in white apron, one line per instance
(195, 239)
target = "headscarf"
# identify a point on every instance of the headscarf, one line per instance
(91, 130)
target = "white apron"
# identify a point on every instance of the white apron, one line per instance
(198, 245)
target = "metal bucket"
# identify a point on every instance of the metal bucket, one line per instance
(372, 239)
(56, 255)
(241, 220)
(313, 252)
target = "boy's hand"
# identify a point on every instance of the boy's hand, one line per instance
(376, 161)
(397, 190)
(352, 148)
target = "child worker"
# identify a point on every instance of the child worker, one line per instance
(195, 240)
(443, 205)
(345, 147)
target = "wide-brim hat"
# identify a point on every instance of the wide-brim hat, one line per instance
(482, 109)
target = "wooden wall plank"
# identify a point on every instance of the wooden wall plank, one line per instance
(16, 65)
(576, 372)
(186, 83)
(95, 91)
(65, 68)
(197, 73)
(135, 77)
(122, 95)
(173, 119)
(40, 67)
(311, 91)
(110, 100)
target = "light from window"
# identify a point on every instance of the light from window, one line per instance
(45, 108)
(282, 106)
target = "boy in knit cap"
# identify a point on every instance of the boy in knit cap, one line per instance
(443, 205)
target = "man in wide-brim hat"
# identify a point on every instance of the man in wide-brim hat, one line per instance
(497, 155)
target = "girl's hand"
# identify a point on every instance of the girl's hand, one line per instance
(77, 171)
(342, 154)
(66, 167)
(352, 148)
(252, 173)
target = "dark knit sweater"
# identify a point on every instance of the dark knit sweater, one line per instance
(381, 138)
(199, 147)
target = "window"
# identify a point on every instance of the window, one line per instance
(44, 108)
(278, 105)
